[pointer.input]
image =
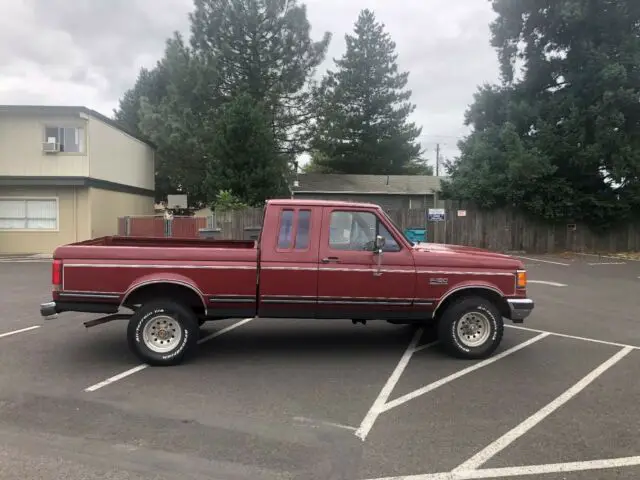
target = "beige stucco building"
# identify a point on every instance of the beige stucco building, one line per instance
(66, 175)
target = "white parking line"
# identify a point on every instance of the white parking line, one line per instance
(381, 399)
(381, 405)
(545, 282)
(142, 366)
(508, 438)
(544, 261)
(432, 386)
(524, 470)
(322, 423)
(574, 337)
(15, 332)
(606, 263)
(606, 256)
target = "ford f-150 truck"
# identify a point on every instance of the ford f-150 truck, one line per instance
(313, 260)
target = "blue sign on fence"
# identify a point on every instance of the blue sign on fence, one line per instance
(436, 215)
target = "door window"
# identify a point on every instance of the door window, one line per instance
(356, 231)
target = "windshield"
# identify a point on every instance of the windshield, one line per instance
(390, 220)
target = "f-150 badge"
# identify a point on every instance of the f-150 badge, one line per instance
(438, 281)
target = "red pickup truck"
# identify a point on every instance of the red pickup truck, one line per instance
(314, 259)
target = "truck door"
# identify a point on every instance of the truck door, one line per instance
(351, 283)
(289, 264)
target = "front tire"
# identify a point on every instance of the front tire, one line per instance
(471, 328)
(162, 332)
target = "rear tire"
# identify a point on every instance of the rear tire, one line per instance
(471, 328)
(163, 332)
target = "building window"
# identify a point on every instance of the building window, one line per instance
(68, 139)
(28, 214)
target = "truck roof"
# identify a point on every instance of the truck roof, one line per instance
(320, 203)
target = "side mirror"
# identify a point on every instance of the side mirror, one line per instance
(379, 243)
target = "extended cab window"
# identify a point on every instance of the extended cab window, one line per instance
(357, 231)
(302, 232)
(286, 228)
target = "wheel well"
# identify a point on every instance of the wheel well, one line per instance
(491, 295)
(179, 293)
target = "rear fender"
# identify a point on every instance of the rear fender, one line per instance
(166, 278)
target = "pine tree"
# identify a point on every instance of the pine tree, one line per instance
(363, 108)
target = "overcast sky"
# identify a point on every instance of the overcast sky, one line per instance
(88, 52)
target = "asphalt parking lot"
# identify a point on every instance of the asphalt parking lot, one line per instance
(296, 399)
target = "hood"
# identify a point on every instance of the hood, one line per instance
(468, 255)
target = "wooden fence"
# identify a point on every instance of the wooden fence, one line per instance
(497, 230)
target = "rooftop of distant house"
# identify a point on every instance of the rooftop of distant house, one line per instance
(69, 110)
(370, 184)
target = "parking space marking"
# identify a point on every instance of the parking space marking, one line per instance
(512, 435)
(449, 378)
(115, 378)
(142, 366)
(546, 282)
(322, 423)
(15, 332)
(605, 256)
(425, 346)
(543, 261)
(574, 337)
(381, 403)
(524, 470)
(606, 263)
(383, 396)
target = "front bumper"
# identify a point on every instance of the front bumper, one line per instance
(519, 308)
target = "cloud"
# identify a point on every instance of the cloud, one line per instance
(89, 52)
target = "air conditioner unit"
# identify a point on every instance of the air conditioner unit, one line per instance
(50, 147)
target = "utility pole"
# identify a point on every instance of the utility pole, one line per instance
(437, 159)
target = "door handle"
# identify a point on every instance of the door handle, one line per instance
(330, 260)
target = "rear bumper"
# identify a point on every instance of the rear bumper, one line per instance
(51, 309)
(48, 309)
(519, 308)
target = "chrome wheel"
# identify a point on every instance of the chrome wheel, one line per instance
(162, 334)
(473, 329)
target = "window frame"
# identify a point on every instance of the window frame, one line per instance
(378, 222)
(63, 125)
(294, 230)
(34, 230)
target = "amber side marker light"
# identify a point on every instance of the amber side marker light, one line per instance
(521, 278)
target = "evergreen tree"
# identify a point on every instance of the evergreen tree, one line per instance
(248, 164)
(257, 49)
(562, 141)
(363, 108)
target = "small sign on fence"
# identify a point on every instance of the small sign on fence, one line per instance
(436, 215)
(462, 213)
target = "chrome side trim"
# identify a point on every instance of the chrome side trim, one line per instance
(448, 272)
(154, 265)
(106, 296)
